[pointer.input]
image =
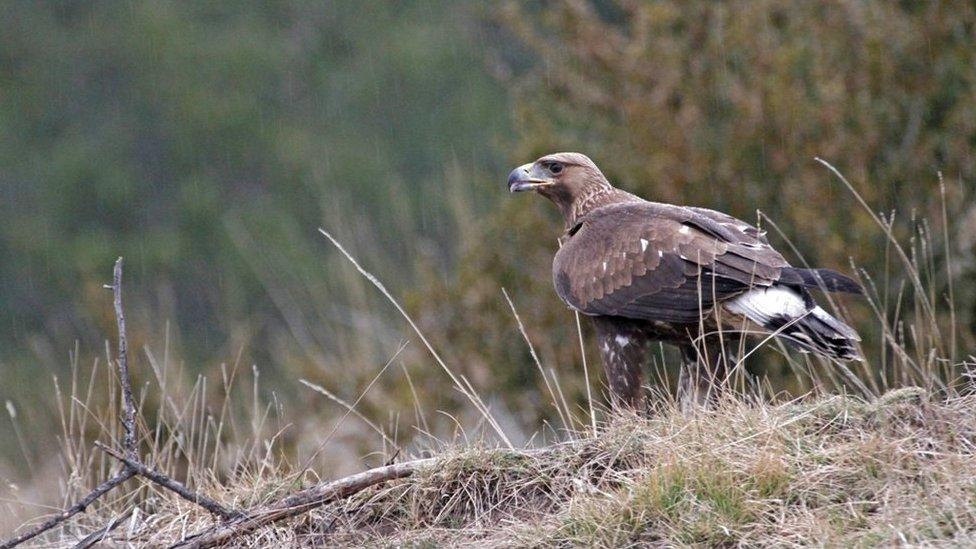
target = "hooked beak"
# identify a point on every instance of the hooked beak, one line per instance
(524, 178)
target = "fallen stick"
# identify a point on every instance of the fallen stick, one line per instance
(300, 502)
(319, 495)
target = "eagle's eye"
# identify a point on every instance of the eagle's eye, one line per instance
(555, 168)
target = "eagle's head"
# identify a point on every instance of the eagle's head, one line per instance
(567, 179)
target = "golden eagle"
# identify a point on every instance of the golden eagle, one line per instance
(646, 271)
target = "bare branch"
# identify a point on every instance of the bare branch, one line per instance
(129, 403)
(133, 466)
(128, 423)
(170, 484)
(301, 502)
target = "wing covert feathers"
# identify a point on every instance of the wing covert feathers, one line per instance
(660, 262)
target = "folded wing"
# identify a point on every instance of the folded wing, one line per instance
(659, 262)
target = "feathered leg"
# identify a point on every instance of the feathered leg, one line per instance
(623, 347)
(705, 369)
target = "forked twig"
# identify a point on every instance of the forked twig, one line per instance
(233, 523)
(132, 465)
(172, 485)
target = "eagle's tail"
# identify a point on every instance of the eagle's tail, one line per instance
(794, 316)
(821, 279)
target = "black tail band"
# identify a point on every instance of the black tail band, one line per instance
(824, 279)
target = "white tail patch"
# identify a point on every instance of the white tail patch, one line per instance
(643, 244)
(842, 329)
(808, 327)
(763, 304)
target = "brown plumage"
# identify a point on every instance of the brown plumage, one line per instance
(646, 271)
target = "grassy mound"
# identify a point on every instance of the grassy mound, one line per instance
(835, 471)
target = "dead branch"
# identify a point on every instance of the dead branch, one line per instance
(170, 484)
(129, 403)
(128, 424)
(234, 523)
(299, 503)
(133, 466)
(79, 507)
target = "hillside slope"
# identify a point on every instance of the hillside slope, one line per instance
(834, 471)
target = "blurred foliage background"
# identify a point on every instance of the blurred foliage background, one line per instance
(206, 142)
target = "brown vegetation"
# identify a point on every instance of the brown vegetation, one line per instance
(834, 471)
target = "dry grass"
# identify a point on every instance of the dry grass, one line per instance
(833, 471)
